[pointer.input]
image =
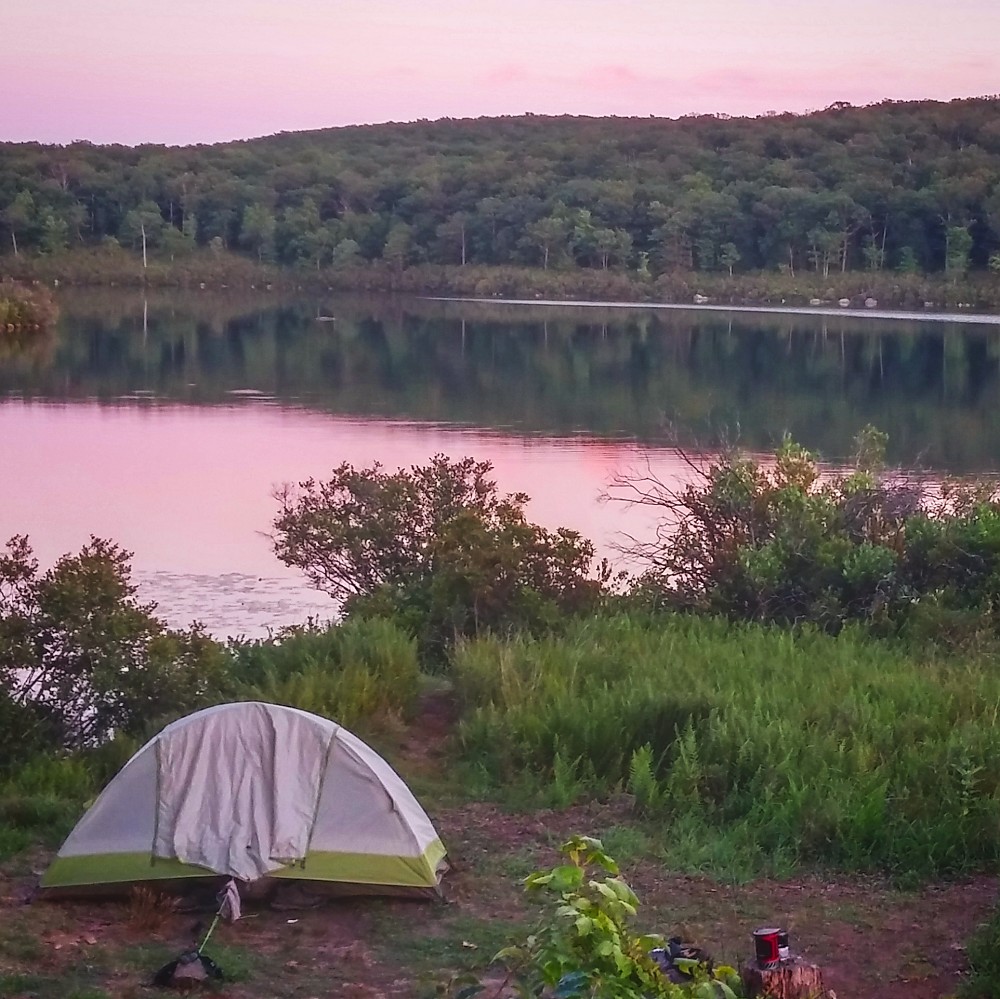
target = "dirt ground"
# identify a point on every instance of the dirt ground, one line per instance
(870, 939)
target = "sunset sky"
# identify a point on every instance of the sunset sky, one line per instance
(188, 71)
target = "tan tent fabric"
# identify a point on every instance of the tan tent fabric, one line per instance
(255, 814)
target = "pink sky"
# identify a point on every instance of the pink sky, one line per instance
(205, 70)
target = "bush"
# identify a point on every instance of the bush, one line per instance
(584, 944)
(359, 672)
(42, 800)
(23, 308)
(783, 543)
(436, 547)
(81, 658)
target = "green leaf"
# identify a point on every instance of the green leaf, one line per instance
(538, 880)
(622, 890)
(648, 941)
(604, 889)
(686, 965)
(566, 878)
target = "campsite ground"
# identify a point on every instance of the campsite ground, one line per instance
(870, 938)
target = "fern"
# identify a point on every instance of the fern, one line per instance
(642, 782)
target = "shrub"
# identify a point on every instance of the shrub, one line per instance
(783, 543)
(81, 658)
(437, 547)
(584, 944)
(23, 308)
(357, 672)
(41, 800)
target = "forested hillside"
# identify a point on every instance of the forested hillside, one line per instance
(901, 186)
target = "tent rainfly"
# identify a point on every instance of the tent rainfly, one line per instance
(253, 791)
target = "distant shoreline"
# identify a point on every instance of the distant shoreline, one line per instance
(931, 297)
(987, 318)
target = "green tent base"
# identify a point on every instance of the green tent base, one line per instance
(112, 874)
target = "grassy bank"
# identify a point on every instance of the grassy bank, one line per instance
(744, 750)
(113, 266)
(713, 754)
(755, 750)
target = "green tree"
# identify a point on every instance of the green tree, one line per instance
(824, 249)
(453, 233)
(437, 546)
(298, 233)
(729, 256)
(143, 227)
(19, 215)
(487, 218)
(670, 236)
(611, 245)
(257, 231)
(908, 263)
(346, 253)
(175, 242)
(189, 228)
(549, 235)
(874, 252)
(398, 249)
(55, 233)
(958, 249)
(81, 658)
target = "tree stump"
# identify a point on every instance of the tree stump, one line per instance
(791, 979)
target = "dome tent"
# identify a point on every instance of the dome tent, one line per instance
(252, 791)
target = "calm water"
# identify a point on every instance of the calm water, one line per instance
(166, 423)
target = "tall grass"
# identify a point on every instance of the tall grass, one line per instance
(359, 673)
(983, 981)
(756, 749)
(41, 800)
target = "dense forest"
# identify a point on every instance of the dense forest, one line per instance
(901, 186)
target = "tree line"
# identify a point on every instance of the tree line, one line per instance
(902, 186)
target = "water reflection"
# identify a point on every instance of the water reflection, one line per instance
(638, 375)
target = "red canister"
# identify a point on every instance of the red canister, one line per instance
(770, 944)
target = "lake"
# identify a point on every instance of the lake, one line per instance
(166, 421)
